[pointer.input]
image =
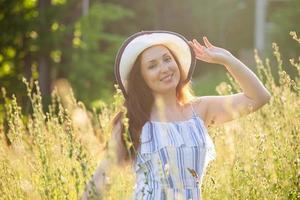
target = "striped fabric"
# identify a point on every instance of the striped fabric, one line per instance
(172, 159)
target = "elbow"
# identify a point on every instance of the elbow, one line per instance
(263, 99)
(266, 97)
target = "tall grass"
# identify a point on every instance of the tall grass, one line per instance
(52, 155)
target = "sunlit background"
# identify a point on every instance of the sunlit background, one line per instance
(55, 130)
(77, 40)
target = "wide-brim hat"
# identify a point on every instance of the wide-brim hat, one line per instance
(138, 42)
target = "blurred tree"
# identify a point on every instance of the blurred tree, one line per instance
(45, 46)
(28, 36)
(227, 23)
(55, 39)
(91, 65)
(50, 39)
(17, 21)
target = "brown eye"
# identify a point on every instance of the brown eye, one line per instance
(167, 59)
(151, 66)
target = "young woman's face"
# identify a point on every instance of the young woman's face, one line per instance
(159, 69)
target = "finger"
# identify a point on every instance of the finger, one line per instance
(198, 46)
(198, 49)
(194, 46)
(207, 43)
(197, 43)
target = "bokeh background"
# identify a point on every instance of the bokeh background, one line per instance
(77, 40)
(55, 127)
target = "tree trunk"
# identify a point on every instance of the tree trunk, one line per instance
(43, 60)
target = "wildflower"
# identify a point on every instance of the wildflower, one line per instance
(167, 168)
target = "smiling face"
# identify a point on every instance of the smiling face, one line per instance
(159, 69)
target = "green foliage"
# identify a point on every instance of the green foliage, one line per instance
(16, 20)
(82, 47)
(44, 158)
(284, 18)
(52, 155)
(92, 63)
(260, 152)
(56, 41)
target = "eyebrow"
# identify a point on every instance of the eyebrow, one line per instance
(153, 60)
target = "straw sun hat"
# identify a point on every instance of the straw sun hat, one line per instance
(138, 42)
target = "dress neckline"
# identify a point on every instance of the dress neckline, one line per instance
(194, 116)
(176, 122)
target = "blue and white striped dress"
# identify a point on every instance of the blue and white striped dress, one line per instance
(167, 150)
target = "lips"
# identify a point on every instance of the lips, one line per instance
(166, 77)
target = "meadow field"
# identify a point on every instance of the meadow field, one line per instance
(51, 155)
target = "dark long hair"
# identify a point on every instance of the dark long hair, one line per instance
(140, 101)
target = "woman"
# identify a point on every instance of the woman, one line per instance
(167, 123)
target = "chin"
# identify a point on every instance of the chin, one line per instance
(168, 89)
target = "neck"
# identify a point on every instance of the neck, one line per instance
(164, 104)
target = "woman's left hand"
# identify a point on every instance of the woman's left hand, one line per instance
(210, 53)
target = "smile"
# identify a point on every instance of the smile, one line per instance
(166, 78)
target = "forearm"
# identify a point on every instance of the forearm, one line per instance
(113, 155)
(247, 80)
(96, 184)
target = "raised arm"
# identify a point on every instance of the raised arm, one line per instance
(220, 109)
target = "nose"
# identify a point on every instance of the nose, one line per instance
(164, 68)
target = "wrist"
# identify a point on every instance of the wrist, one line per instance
(228, 59)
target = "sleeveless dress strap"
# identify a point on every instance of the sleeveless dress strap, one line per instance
(194, 113)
